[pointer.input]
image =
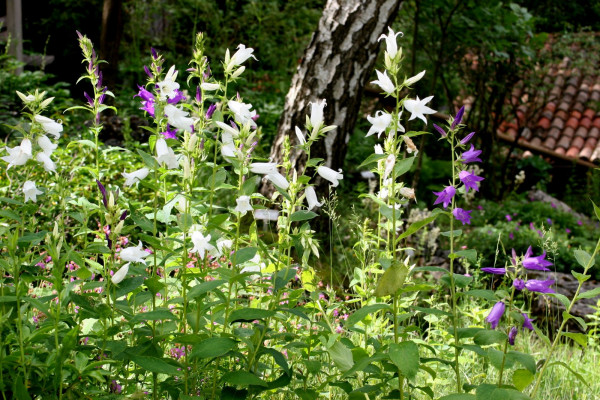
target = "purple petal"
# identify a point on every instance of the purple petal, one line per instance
(458, 118)
(103, 190)
(496, 271)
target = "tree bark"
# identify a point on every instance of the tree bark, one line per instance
(110, 40)
(336, 66)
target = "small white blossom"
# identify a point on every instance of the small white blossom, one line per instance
(380, 123)
(165, 154)
(49, 126)
(18, 155)
(384, 82)
(30, 191)
(390, 42)
(267, 215)
(209, 87)
(300, 136)
(179, 118)
(330, 175)
(228, 128)
(223, 244)
(240, 56)
(134, 254)
(316, 113)
(278, 180)
(120, 274)
(414, 79)
(243, 205)
(378, 149)
(168, 86)
(228, 148)
(46, 145)
(311, 198)
(242, 113)
(263, 168)
(390, 161)
(49, 165)
(135, 176)
(417, 108)
(201, 244)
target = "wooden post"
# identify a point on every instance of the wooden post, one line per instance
(15, 29)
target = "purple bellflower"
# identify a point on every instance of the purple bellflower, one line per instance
(512, 335)
(496, 314)
(495, 271)
(170, 134)
(440, 130)
(445, 196)
(144, 94)
(470, 180)
(458, 118)
(535, 285)
(148, 106)
(527, 322)
(211, 110)
(471, 155)
(103, 190)
(467, 138)
(177, 98)
(463, 216)
(536, 263)
(519, 284)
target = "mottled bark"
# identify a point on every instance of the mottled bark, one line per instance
(336, 66)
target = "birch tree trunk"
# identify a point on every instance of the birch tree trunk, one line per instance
(336, 66)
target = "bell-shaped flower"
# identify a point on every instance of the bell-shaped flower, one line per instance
(228, 128)
(168, 86)
(440, 130)
(380, 123)
(18, 155)
(278, 180)
(330, 175)
(527, 323)
(46, 145)
(266, 215)
(536, 263)
(536, 285)
(242, 112)
(418, 109)
(30, 191)
(201, 244)
(471, 155)
(496, 314)
(263, 168)
(470, 180)
(390, 42)
(209, 87)
(223, 244)
(49, 126)
(120, 274)
(240, 56)
(466, 139)
(179, 118)
(135, 176)
(512, 334)
(414, 79)
(390, 161)
(495, 271)
(384, 82)
(49, 165)
(300, 136)
(165, 154)
(445, 196)
(243, 205)
(316, 113)
(228, 148)
(134, 254)
(458, 118)
(463, 216)
(311, 198)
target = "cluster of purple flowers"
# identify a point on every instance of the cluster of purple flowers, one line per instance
(527, 262)
(469, 179)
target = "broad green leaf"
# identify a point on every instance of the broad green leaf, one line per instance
(243, 255)
(463, 333)
(522, 378)
(469, 254)
(418, 225)
(154, 285)
(583, 258)
(480, 293)
(563, 299)
(405, 355)
(213, 347)
(524, 359)
(403, 166)
(243, 378)
(341, 356)
(307, 394)
(129, 285)
(203, 288)
(302, 215)
(249, 314)
(580, 338)
(97, 248)
(148, 159)
(152, 316)
(496, 356)
(458, 396)
(391, 280)
(487, 337)
(371, 159)
(580, 277)
(589, 294)
(493, 392)
(596, 210)
(158, 365)
(579, 320)
(361, 313)
(283, 277)
(231, 393)
(456, 233)
(460, 281)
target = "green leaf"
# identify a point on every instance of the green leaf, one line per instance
(142, 222)
(213, 347)
(583, 258)
(480, 293)
(302, 215)
(522, 378)
(204, 287)
(460, 281)
(580, 277)
(403, 166)
(458, 396)
(249, 314)
(341, 356)
(405, 355)
(493, 392)
(184, 221)
(154, 285)
(579, 338)
(158, 365)
(243, 378)
(576, 374)
(596, 210)
(456, 232)
(307, 394)
(463, 333)
(391, 280)
(129, 285)
(524, 359)
(148, 159)
(495, 357)
(313, 162)
(230, 393)
(579, 320)
(589, 294)
(283, 277)
(83, 142)
(97, 248)
(361, 313)
(419, 224)
(152, 316)
(243, 255)
(371, 159)
(469, 254)
(10, 215)
(563, 299)
(487, 337)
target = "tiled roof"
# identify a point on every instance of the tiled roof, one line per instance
(566, 119)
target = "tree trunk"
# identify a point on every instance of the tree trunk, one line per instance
(336, 66)
(110, 39)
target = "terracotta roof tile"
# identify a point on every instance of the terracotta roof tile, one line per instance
(586, 153)
(536, 141)
(568, 131)
(576, 114)
(554, 133)
(564, 105)
(582, 97)
(594, 132)
(595, 96)
(578, 142)
(591, 142)
(573, 123)
(548, 114)
(578, 107)
(564, 142)
(573, 152)
(544, 123)
(570, 90)
(585, 122)
(558, 123)
(559, 150)
(550, 143)
(581, 132)
(562, 115)
(596, 122)
(589, 113)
